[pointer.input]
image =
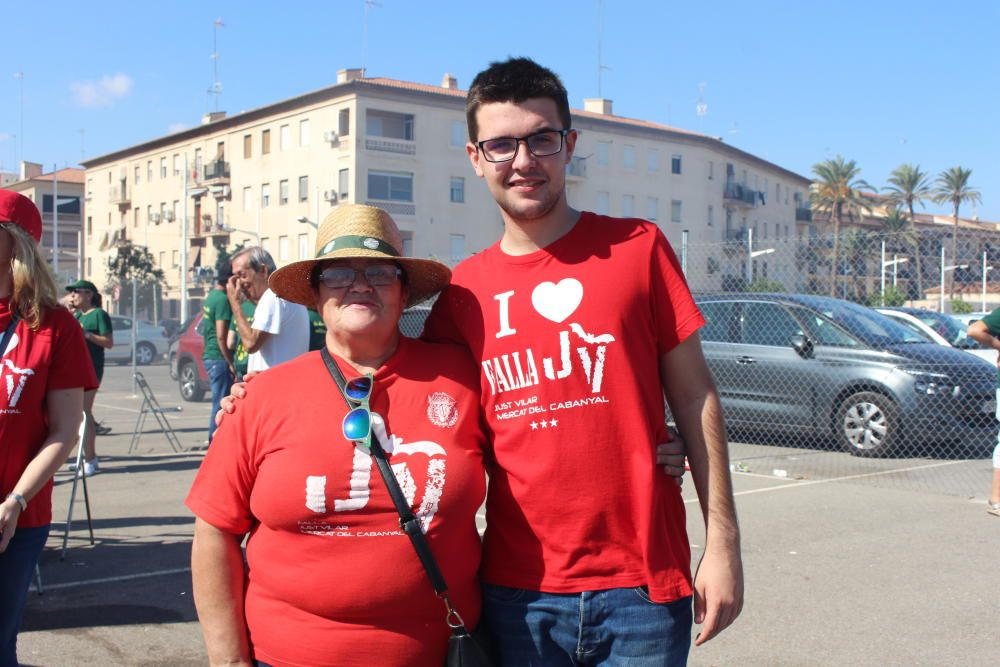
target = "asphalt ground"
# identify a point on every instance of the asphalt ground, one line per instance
(848, 561)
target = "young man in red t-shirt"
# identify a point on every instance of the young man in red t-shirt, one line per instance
(582, 324)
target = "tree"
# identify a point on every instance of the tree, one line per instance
(952, 187)
(898, 234)
(134, 262)
(837, 191)
(908, 185)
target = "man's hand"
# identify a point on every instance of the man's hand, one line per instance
(233, 291)
(227, 405)
(718, 591)
(670, 455)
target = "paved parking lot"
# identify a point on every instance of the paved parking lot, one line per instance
(848, 561)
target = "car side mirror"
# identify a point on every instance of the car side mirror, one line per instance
(802, 345)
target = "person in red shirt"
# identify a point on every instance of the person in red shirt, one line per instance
(44, 370)
(582, 324)
(329, 578)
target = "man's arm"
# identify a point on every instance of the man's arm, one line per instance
(253, 339)
(222, 337)
(694, 402)
(217, 575)
(979, 331)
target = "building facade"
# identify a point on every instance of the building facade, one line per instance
(268, 175)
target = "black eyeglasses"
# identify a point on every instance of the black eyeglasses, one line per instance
(540, 144)
(357, 424)
(339, 277)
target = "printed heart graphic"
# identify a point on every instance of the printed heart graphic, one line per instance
(556, 302)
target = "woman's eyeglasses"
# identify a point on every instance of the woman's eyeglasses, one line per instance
(339, 277)
(357, 424)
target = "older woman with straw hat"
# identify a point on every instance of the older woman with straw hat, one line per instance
(329, 577)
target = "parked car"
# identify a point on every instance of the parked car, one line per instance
(818, 366)
(965, 319)
(151, 342)
(940, 329)
(185, 361)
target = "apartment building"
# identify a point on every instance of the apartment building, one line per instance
(268, 175)
(59, 197)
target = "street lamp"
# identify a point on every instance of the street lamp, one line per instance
(894, 263)
(234, 230)
(306, 221)
(947, 268)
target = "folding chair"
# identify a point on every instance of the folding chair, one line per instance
(151, 406)
(72, 494)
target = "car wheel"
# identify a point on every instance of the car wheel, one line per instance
(188, 382)
(868, 424)
(144, 353)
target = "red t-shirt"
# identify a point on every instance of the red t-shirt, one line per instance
(332, 579)
(35, 363)
(569, 339)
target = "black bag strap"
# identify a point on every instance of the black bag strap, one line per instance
(8, 333)
(407, 521)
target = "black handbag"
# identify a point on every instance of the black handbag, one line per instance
(464, 649)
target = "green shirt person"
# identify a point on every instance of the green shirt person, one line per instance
(95, 321)
(216, 310)
(240, 355)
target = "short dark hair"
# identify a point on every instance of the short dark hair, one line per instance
(515, 80)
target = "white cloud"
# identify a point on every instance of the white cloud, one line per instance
(102, 93)
(176, 127)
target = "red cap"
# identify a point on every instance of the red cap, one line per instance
(20, 210)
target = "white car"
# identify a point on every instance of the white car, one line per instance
(150, 344)
(940, 329)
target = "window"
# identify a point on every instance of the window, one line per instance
(265, 243)
(344, 182)
(163, 167)
(265, 195)
(149, 170)
(149, 214)
(135, 217)
(711, 215)
(389, 125)
(175, 208)
(177, 165)
(777, 192)
(90, 226)
(407, 243)
(675, 164)
(304, 247)
(303, 188)
(628, 157)
(652, 208)
(628, 206)
(173, 258)
(456, 247)
(718, 321)
(282, 192)
(136, 180)
(675, 210)
(603, 203)
(283, 248)
(768, 324)
(163, 259)
(247, 199)
(653, 160)
(603, 152)
(344, 122)
(458, 134)
(197, 159)
(391, 186)
(220, 214)
(304, 132)
(284, 138)
(711, 170)
(457, 191)
(90, 266)
(265, 142)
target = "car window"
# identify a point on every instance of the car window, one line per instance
(119, 323)
(823, 331)
(718, 320)
(913, 327)
(768, 324)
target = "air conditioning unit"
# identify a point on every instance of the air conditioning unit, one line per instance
(169, 216)
(155, 218)
(331, 136)
(330, 196)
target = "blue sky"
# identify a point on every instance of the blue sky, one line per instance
(880, 82)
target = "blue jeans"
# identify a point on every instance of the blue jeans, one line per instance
(619, 626)
(17, 564)
(222, 381)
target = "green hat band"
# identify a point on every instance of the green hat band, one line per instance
(359, 242)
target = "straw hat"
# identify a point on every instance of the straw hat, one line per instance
(365, 232)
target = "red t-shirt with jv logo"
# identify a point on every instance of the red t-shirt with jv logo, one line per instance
(569, 339)
(35, 363)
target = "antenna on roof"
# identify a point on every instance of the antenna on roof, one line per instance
(364, 37)
(600, 39)
(216, 88)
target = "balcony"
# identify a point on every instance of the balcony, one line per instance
(393, 207)
(400, 147)
(803, 214)
(740, 195)
(118, 194)
(216, 173)
(576, 170)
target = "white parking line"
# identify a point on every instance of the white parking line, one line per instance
(794, 484)
(108, 580)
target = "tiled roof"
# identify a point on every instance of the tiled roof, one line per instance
(67, 175)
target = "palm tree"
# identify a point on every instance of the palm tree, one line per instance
(952, 187)
(856, 253)
(836, 191)
(899, 234)
(909, 185)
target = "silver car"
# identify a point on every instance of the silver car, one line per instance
(150, 344)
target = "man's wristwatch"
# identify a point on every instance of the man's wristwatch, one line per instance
(20, 500)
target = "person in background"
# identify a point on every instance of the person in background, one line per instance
(97, 331)
(217, 357)
(317, 334)
(240, 355)
(44, 371)
(280, 329)
(985, 332)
